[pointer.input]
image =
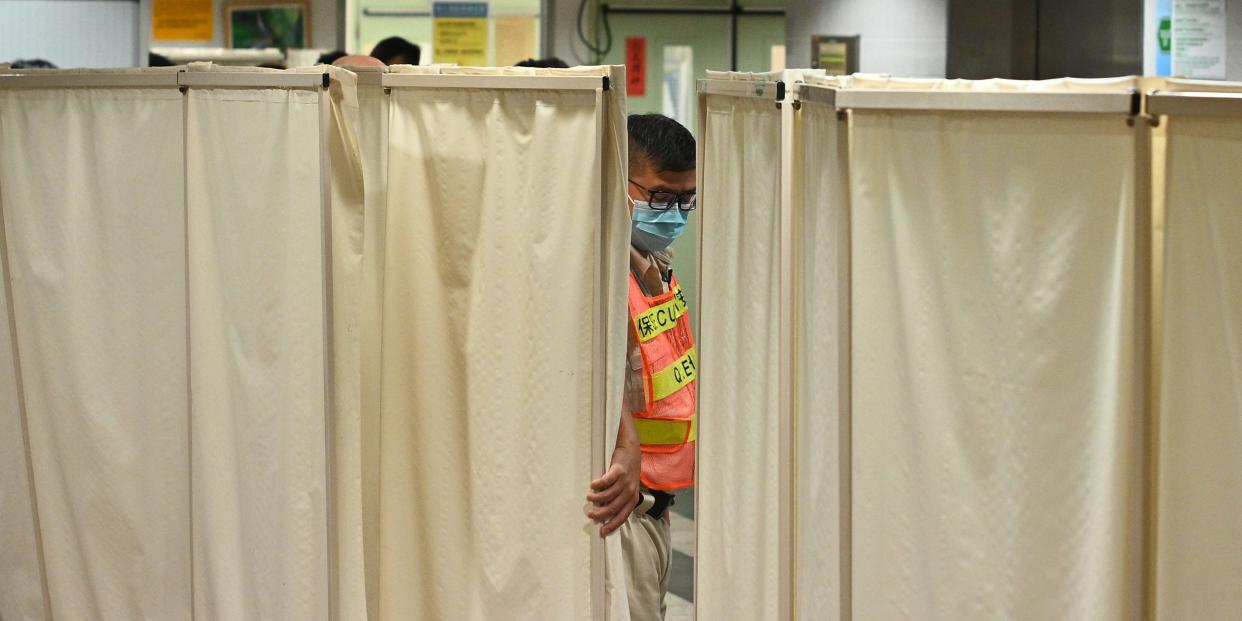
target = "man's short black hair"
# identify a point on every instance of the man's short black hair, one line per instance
(159, 60)
(392, 47)
(550, 62)
(660, 142)
(327, 58)
(32, 63)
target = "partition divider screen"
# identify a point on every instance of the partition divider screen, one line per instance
(739, 550)
(182, 250)
(998, 286)
(503, 339)
(372, 135)
(1199, 554)
(817, 138)
(96, 270)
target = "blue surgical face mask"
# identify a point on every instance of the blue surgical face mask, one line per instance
(655, 229)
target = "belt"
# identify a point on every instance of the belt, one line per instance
(660, 502)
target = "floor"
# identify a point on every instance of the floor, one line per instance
(681, 581)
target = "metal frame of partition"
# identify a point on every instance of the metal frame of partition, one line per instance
(774, 90)
(497, 82)
(167, 79)
(1125, 102)
(184, 81)
(1161, 103)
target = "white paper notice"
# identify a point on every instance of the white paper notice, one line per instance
(679, 83)
(1199, 39)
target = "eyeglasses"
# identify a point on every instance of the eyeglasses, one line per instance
(662, 200)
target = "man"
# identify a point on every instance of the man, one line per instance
(654, 455)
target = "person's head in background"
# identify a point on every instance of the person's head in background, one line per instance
(159, 60)
(328, 58)
(357, 61)
(550, 62)
(396, 51)
(661, 180)
(32, 63)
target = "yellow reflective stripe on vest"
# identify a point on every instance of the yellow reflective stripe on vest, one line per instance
(659, 319)
(675, 376)
(664, 432)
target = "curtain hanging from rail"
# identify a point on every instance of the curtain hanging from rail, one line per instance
(996, 436)
(372, 134)
(21, 578)
(738, 448)
(503, 285)
(91, 191)
(820, 207)
(272, 379)
(1199, 538)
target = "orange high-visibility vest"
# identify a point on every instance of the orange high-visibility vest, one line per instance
(666, 426)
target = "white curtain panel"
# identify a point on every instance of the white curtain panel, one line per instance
(995, 433)
(92, 195)
(738, 449)
(497, 309)
(260, 349)
(1199, 541)
(21, 576)
(346, 215)
(372, 132)
(820, 206)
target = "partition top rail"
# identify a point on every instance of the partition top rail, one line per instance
(167, 79)
(743, 88)
(815, 94)
(164, 79)
(1194, 104)
(1127, 102)
(255, 79)
(497, 82)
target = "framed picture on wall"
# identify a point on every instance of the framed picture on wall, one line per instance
(278, 23)
(837, 55)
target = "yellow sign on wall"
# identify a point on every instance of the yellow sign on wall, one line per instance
(515, 39)
(182, 20)
(460, 33)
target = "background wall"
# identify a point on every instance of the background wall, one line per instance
(327, 26)
(71, 33)
(1233, 63)
(1032, 39)
(901, 37)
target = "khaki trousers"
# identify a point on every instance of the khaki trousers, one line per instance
(646, 544)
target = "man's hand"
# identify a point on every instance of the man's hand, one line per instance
(615, 495)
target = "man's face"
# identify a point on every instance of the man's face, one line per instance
(658, 181)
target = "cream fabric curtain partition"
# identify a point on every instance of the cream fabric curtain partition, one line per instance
(504, 289)
(372, 126)
(270, 370)
(817, 189)
(21, 575)
(739, 554)
(96, 274)
(1199, 492)
(182, 271)
(997, 351)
